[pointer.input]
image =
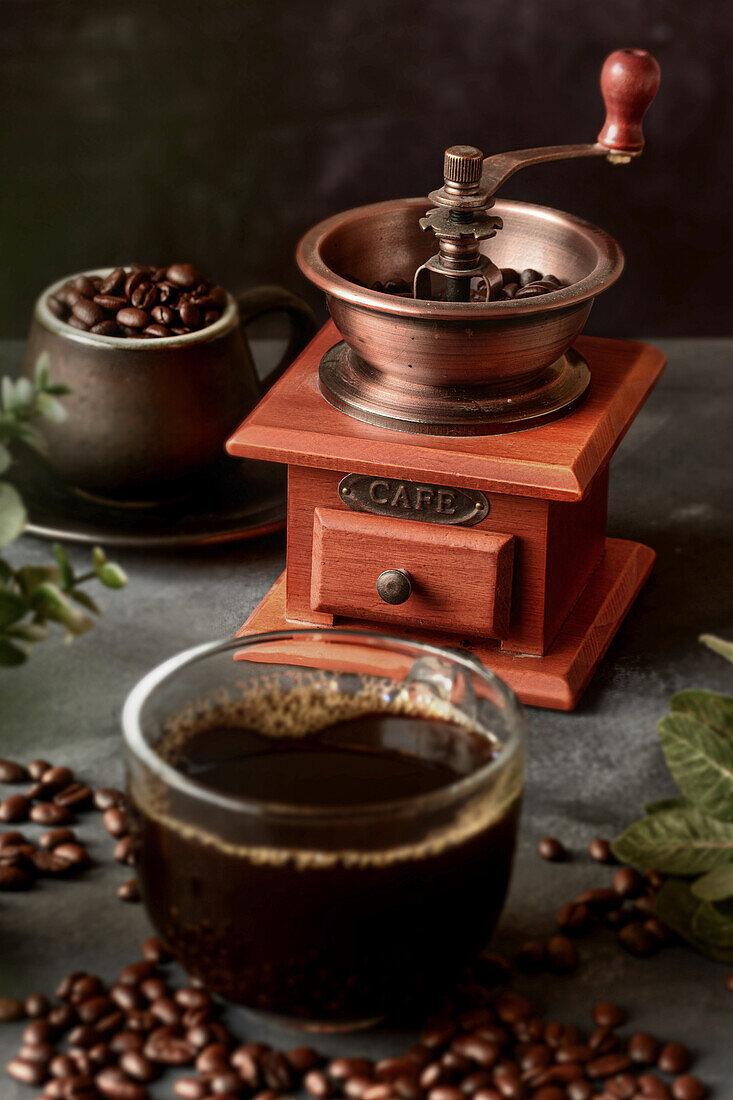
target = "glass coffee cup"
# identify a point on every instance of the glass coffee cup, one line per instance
(324, 821)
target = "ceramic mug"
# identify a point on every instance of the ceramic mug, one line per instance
(146, 417)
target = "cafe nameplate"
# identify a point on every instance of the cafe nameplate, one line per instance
(418, 500)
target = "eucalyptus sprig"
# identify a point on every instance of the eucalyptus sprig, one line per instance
(690, 838)
(32, 597)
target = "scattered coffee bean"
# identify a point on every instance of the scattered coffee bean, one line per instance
(11, 1009)
(15, 808)
(10, 772)
(606, 1014)
(600, 850)
(139, 302)
(635, 939)
(552, 849)
(688, 1088)
(49, 813)
(562, 955)
(36, 768)
(674, 1058)
(54, 837)
(129, 891)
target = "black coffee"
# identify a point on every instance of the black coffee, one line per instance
(322, 932)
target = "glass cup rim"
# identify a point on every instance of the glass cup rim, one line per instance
(136, 743)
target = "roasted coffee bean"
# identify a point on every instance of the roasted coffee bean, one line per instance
(317, 1084)
(123, 1041)
(83, 987)
(11, 839)
(137, 1066)
(11, 772)
(49, 863)
(192, 998)
(15, 878)
(600, 850)
(106, 328)
(51, 839)
(49, 813)
(652, 1087)
(88, 311)
(531, 957)
(114, 282)
(635, 939)
(190, 315)
(182, 275)
(628, 882)
(62, 1017)
(28, 1073)
(190, 1088)
(477, 1049)
(132, 317)
(37, 768)
(76, 796)
(445, 1092)
(552, 849)
(644, 905)
(341, 1068)
(688, 1088)
(574, 919)
(114, 1084)
(156, 951)
(57, 307)
(93, 1009)
(607, 1065)
(55, 779)
(36, 1006)
(115, 821)
(106, 797)
(11, 1009)
(74, 854)
(599, 899)
(303, 1059)
(562, 955)
(276, 1071)
(168, 1050)
(15, 808)
(129, 891)
(643, 1049)
(674, 1058)
(529, 275)
(606, 1014)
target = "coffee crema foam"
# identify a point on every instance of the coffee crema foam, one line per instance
(311, 704)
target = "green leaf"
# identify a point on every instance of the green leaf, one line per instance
(681, 911)
(43, 370)
(718, 645)
(5, 458)
(6, 572)
(31, 576)
(29, 632)
(85, 600)
(50, 408)
(112, 576)
(58, 389)
(716, 885)
(12, 514)
(676, 842)
(665, 804)
(709, 707)
(23, 395)
(65, 571)
(701, 760)
(12, 607)
(11, 654)
(50, 602)
(7, 392)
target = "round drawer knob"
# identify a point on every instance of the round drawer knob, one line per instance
(394, 585)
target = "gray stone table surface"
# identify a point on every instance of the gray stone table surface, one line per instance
(588, 773)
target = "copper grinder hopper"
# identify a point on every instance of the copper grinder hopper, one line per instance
(450, 356)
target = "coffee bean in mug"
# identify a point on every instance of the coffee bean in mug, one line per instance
(160, 374)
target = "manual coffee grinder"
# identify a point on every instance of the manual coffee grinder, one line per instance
(448, 444)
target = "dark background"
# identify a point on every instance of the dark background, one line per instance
(219, 130)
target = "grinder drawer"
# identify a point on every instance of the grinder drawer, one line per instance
(449, 578)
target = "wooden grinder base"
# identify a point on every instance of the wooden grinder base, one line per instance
(557, 679)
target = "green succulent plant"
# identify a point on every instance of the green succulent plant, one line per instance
(32, 597)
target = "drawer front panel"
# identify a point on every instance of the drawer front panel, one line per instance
(461, 579)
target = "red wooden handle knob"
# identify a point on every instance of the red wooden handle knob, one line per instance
(629, 82)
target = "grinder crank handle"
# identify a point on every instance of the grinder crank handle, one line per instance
(629, 82)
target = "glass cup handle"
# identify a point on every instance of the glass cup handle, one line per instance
(261, 300)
